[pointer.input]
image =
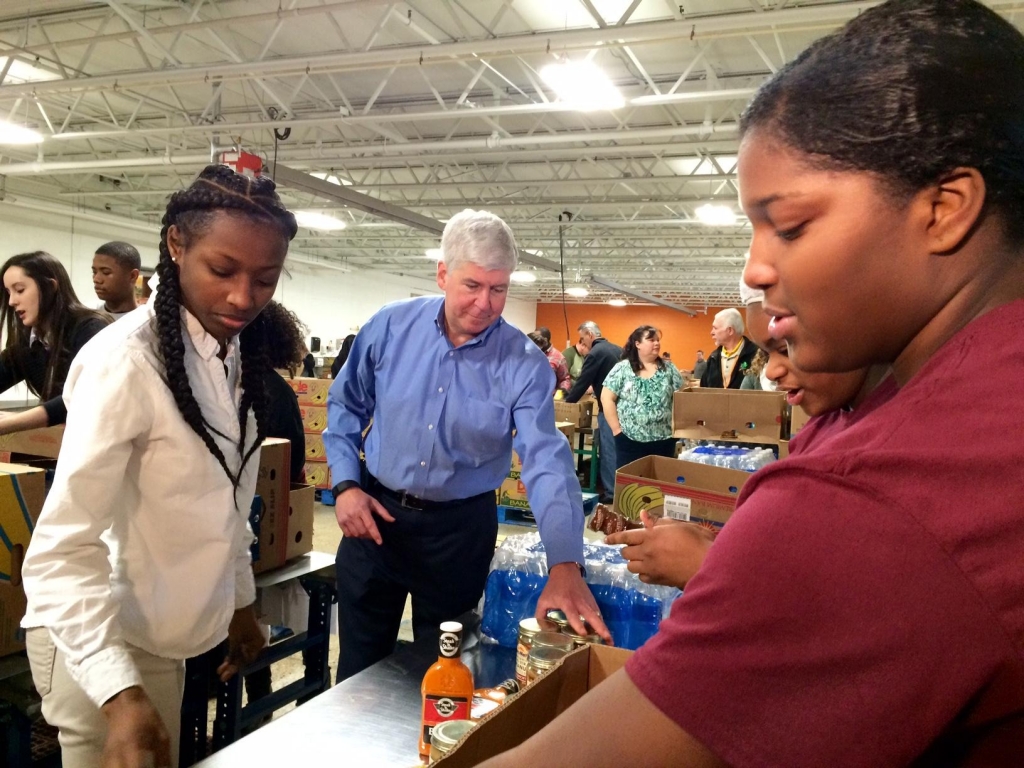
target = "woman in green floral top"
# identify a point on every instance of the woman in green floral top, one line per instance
(637, 399)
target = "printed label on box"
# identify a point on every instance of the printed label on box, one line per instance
(677, 507)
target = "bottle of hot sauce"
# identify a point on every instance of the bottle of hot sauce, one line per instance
(447, 687)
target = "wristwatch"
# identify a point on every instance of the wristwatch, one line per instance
(343, 486)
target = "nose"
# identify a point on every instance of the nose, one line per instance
(759, 272)
(242, 295)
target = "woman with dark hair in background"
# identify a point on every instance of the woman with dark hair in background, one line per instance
(46, 325)
(346, 347)
(285, 347)
(167, 411)
(637, 399)
(862, 606)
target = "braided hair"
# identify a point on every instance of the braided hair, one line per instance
(192, 211)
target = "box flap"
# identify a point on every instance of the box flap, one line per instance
(713, 414)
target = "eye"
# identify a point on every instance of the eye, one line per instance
(220, 272)
(791, 234)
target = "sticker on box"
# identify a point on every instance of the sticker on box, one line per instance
(678, 507)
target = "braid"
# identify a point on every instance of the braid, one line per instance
(217, 188)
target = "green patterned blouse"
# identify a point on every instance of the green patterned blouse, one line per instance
(644, 405)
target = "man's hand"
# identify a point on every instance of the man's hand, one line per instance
(567, 592)
(355, 509)
(245, 641)
(136, 736)
(667, 552)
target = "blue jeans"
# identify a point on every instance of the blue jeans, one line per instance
(606, 451)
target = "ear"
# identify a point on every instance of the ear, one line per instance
(175, 242)
(955, 206)
(135, 275)
(442, 275)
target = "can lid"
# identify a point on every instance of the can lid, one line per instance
(591, 638)
(529, 626)
(445, 735)
(558, 617)
(546, 656)
(451, 626)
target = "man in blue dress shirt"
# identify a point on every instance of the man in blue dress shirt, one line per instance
(445, 381)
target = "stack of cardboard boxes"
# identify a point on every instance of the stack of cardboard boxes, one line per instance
(312, 395)
(22, 490)
(512, 492)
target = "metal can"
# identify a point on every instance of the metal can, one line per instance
(528, 628)
(446, 735)
(542, 660)
(559, 619)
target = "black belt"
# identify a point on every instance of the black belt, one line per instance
(407, 500)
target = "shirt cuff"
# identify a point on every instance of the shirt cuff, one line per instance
(245, 588)
(106, 673)
(564, 552)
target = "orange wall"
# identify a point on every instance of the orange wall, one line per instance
(681, 334)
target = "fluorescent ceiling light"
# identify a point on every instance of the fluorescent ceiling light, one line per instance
(617, 302)
(583, 85)
(716, 215)
(317, 220)
(434, 253)
(18, 134)
(577, 292)
(524, 276)
(22, 72)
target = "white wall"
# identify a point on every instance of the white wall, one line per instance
(332, 303)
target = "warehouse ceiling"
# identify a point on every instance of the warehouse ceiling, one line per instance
(429, 105)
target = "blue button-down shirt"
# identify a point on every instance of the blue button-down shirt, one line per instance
(443, 417)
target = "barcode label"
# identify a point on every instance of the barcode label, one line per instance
(677, 507)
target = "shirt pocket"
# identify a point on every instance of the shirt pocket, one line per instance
(481, 431)
(42, 654)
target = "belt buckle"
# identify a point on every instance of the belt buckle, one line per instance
(408, 501)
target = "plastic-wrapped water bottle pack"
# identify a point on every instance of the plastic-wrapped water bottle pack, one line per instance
(631, 609)
(729, 456)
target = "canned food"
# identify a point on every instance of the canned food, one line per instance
(446, 735)
(528, 628)
(543, 659)
(558, 618)
(552, 640)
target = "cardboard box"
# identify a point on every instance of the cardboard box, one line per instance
(314, 417)
(729, 414)
(684, 490)
(34, 442)
(577, 414)
(310, 391)
(318, 474)
(22, 490)
(567, 428)
(512, 492)
(797, 418)
(301, 499)
(532, 709)
(272, 485)
(315, 450)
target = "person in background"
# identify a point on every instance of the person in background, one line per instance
(666, 355)
(574, 357)
(637, 399)
(167, 411)
(285, 349)
(555, 360)
(601, 357)
(892, 548)
(446, 381)
(734, 355)
(700, 366)
(46, 326)
(343, 353)
(115, 270)
(308, 363)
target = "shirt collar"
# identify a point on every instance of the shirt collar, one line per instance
(33, 337)
(480, 338)
(207, 346)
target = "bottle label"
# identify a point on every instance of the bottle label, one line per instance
(522, 657)
(449, 644)
(438, 709)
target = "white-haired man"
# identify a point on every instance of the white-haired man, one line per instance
(445, 381)
(734, 355)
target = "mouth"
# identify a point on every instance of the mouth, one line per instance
(21, 315)
(781, 324)
(232, 322)
(795, 396)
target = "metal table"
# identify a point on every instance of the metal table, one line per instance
(371, 719)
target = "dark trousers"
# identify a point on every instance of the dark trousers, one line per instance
(627, 450)
(440, 557)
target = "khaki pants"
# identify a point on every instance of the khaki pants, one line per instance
(83, 729)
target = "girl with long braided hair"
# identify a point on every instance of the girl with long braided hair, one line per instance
(140, 558)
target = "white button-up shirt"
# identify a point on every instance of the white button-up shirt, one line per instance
(140, 540)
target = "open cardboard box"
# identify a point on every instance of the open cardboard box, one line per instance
(34, 442)
(529, 711)
(577, 414)
(684, 490)
(273, 486)
(22, 490)
(727, 414)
